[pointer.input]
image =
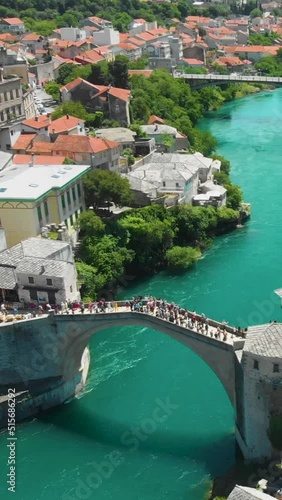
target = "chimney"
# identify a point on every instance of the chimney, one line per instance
(36, 118)
(42, 270)
(53, 131)
(31, 164)
(32, 143)
(67, 117)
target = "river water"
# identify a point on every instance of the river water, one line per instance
(143, 383)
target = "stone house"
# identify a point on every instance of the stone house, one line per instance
(159, 132)
(112, 101)
(12, 24)
(94, 151)
(38, 271)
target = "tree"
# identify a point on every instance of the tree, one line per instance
(182, 257)
(167, 140)
(140, 134)
(225, 164)
(234, 196)
(119, 72)
(64, 72)
(127, 153)
(90, 225)
(68, 161)
(255, 13)
(53, 89)
(99, 74)
(101, 186)
(70, 108)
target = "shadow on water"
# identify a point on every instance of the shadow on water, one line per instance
(74, 418)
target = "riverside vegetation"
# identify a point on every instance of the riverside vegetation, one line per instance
(146, 240)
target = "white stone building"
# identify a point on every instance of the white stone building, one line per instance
(38, 271)
(246, 493)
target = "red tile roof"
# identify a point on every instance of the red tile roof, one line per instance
(82, 144)
(123, 37)
(31, 37)
(38, 122)
(89, 56)
(23, 141)
(143, 72)
(8, 37)
(12, 20)
(71, 85)
(121, 94)
(134, 41)
(42, 147)
(269, 49)
(155, 119)
(127, 46)
(64, 124)
(230, 61)
(21, 159)
(145, 36)
(140, 20)
(193, 61)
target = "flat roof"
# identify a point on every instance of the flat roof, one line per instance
(24, 182)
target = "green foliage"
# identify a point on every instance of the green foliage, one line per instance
(275, 431)
(270, 65)
(267, 38)
(255, 13)
(90, 225)
(119, 72)
(53, 89)
(127, 153)
(140, 63)
(167, 140)
(135, 127)
(101, 186)
(87, 279)
(68, 161)
(70, 108)
(225, 164)
(181, 257)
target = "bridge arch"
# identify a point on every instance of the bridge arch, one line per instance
(76, 332)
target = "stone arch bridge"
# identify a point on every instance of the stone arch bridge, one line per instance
(46, 360)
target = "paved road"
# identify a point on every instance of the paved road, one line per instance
(40, 95)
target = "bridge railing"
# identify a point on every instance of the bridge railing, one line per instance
(232, 78)
(212, 322)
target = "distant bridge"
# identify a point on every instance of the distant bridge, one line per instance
(198, 81)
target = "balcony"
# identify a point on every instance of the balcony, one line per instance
(12, 121)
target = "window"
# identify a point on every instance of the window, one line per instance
(46, 210)
(8, 146)
(49, 282)
(33, 294)
(12, 132)
(71, 220)
(6, 96)
(78, 190)
(275, 368)
(31, 280)
(39, 214)
(256, 365)
(68, 198)
(76, 214)
(63, 202)
(73, 193)
(70, 289)
(177, 184)
(163, 183)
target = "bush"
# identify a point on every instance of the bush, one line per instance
(182, 257)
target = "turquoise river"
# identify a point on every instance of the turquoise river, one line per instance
(135, 371)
